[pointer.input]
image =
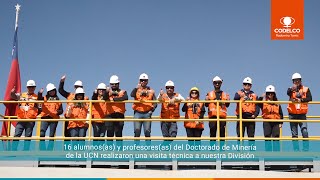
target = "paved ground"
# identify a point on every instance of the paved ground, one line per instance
(13, 172)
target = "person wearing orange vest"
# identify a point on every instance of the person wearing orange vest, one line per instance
(99, 111)
(194, 111)
(26, 110)
(49, 110)
(69, 96)
(249, 110)
(169, 110)
(217, 94)
(300, 95)
(115, 110)
(77, 110)
(143, 110)
(271, 111)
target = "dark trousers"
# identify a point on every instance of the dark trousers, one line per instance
(194, 132)
(303, 128)
(78, 132)
(169, 129)
(214, 125)
(271, 129)
(99, 129)
(250, 126)
(115, 128)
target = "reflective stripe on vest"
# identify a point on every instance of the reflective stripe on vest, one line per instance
(298, 108)
(170, 111)
(143, 94)
(246, 106)
(50, 109)
(212, 110)
(193, 112)
(27, 110)
(116, 107)
(271, 111)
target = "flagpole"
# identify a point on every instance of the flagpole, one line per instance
(17, 15)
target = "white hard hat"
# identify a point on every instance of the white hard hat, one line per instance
(143, 76)
(79, 91)
(31, 83)
(270, 88)
(50, 87)
(102, 86)
(78, 83)
(296, 76)
(169, 83)
(114, 79)
(217, 78)
(247, 80)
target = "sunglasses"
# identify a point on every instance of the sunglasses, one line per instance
(169, 87)
(269, 93)
(217, 82)
(31, 87)
(247, 84)
(143, 80)
(194, 92)
(296, 80)
(113, 84)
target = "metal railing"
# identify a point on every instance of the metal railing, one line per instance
(10, 119)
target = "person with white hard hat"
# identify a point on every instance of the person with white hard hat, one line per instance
(26, 110)
(194, 110)
(115, 110)
(170, 109)
(300, 95)
(271, 111)
(69, 96)
(249, 110)
(143, 110)
(49, 111)
(217, 94)
(99, 111)
(77, 110)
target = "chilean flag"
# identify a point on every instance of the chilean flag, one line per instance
(13, 81)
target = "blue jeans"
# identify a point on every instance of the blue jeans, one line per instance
(27, 127)
(78, 132)
(138, 124)
(294, 131)
(44, 126)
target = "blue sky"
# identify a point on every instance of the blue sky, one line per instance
(186, 41)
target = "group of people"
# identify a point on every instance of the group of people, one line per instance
(170, 101)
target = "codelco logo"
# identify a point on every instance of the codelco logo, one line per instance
(287, 19)
(287, 22)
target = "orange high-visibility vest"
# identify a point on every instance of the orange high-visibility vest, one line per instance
(212, 109)
(50, 109)
(32, 111)
(143, 107)
(116, 107)
(99, 110)
(78, 113)
(190, 114)
(271, 111)
(247, 106)
(170, 111)
(298, 108)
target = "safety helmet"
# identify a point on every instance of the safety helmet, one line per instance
(194, 89)
(296, 76)
(78, 83)
(31, 83)
(114, 79)
(247, 80)
(102, 86)
(50, 87)
(79, 91)
(217, 78)
(270, 88)
(169, 83)
(143, 76)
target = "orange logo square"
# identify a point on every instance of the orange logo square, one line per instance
(287, 19)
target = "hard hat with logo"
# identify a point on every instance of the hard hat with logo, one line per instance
(194, 89)
(296, 76)
(102, 86)
(31, 83)
(143, 76)
(270, 88)
(114, 79)
(169, 83)
(50, 87)
(78, 83)
(247, 80)
(79, 91)
(217, 78)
